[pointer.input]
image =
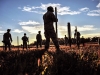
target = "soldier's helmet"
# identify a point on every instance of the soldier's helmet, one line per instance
(39, 31)
(50, 8)
(24, 33)
(8, 29)
(75, 30)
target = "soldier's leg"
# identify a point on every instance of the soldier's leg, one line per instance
(55, 41)
(37, 44)
(23, 46)
(40, 44)
(78, 43)
(26, 45)
(66, 42)
(83, 43)
(5, 46)
(47, 41)
(9, 46)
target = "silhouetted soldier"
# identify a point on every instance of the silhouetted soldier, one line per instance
(82, 40)
(25, 40)
(77, 37)
(66, 40)
(7, 39)
(39, 39)
(49, 18)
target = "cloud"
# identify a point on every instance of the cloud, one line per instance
(94, 13)
(98, 6)
(19, 8)
(18, 31)
(80, 28)
(69, 12)
(2, 31)
(86, 28)
(61, 10)
(33, 29)
(27, 9)
(62, 30)
(85, 9)
(0, 27)
(43, 7)
(92, 35)
(29, 23)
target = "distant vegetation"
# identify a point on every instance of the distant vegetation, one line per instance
(61, 40)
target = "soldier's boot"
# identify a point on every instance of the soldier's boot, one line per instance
(46, 49)
(57, 49)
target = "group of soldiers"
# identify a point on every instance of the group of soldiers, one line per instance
(7, 40)
(77, 39)
(49, 32)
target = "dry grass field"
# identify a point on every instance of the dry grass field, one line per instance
(69, 61)
(87, 47)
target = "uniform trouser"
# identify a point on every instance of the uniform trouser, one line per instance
(24, 45)
(51, 34)
(78, 43)
(39, 43)
(7, 44)
(66, 42)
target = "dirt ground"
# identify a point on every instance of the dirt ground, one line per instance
(53, 49)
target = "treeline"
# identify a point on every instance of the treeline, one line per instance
(73, 41)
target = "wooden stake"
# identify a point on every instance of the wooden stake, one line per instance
(56, 21)
(69, 33)
(76, 33)
(18, 42)
(28, 43)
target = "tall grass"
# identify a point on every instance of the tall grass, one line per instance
(83, 61)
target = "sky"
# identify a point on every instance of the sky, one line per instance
(26, 16)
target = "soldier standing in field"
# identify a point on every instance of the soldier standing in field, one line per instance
(25, 40)
(39, 39)
(7, 39)
(77, 37)
(83, 40)
(49, 31)
(66, 40)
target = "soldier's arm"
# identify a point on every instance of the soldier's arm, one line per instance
(22, 38)
(54, 18)
(41, 37)
(80, 34)
(10, 37)
(3, 37)
(36, 36)
(74, 35)
(27, 39)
